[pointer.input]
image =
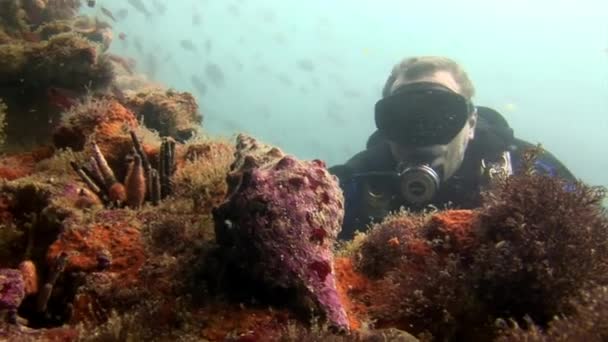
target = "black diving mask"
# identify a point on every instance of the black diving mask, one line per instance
(422, 114)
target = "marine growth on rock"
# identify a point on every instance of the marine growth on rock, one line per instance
(283, 215)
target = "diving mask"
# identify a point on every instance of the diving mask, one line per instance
(422, 114)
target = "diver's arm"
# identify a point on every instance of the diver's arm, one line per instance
(350, 190)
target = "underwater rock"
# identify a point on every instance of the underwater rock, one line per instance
(40, 79)
(103, 120)
(534, 243)
(47, 62)
(66, 60)
(283, 215)
(587, 322)
(18, 165)
(12, 289)
(2, 122)
(169, 112)
(11, 332)
(18, 16)
(113, 234)
(541, 240)
(409, 280)
(201, 173)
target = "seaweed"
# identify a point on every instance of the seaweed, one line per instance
(542, 239)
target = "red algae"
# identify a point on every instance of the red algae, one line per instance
(352, 287)
(84, 244)
(456, 228)
(15, 166)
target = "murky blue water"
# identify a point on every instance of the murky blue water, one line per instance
(305, 74)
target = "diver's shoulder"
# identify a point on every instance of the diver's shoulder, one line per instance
(374, 158)
(545, 160)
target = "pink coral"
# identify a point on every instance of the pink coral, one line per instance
(284, 214)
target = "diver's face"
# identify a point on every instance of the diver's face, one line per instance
(446, 159)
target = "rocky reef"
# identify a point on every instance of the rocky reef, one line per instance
(283, 216)
(121, 220)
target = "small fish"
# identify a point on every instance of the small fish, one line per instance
(138, 45)
(151, 65)
(234, 10)
(336, 118)
(159, 6)
(122, 14)
(306, 65)
(140, 7)
(262, 69)
(187, 45)
(268, 16)
(122, 36)
(279, 38)
(62, 98)
(91, 3)
(107, 13)
(127, 64)
(208, 46)
(285, 80)
(200, 86)
(352, 93)
(237, 64)
(333, 110)
(230, 124)
(215, 74)
(196, 19)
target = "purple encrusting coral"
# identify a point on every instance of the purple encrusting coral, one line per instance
(285, 214)
(12, 289)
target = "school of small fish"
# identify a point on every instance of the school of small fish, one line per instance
(304, 75)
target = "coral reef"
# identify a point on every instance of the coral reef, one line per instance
(169, 112)
(452, 274)
(17, 165)
(141, 180)
(12, 291)
(120, 221)
(538, 233)
(206, 190)
(2, 123)
(65, 60)
(47, 61)
(283, 215)
(253, 215)
(587, 322)
(103, 120)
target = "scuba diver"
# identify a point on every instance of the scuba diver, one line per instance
(432, 148)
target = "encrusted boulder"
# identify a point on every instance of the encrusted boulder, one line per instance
(282, 216)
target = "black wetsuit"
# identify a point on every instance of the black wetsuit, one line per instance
(493, 137)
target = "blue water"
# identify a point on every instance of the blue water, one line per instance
(543, 64)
